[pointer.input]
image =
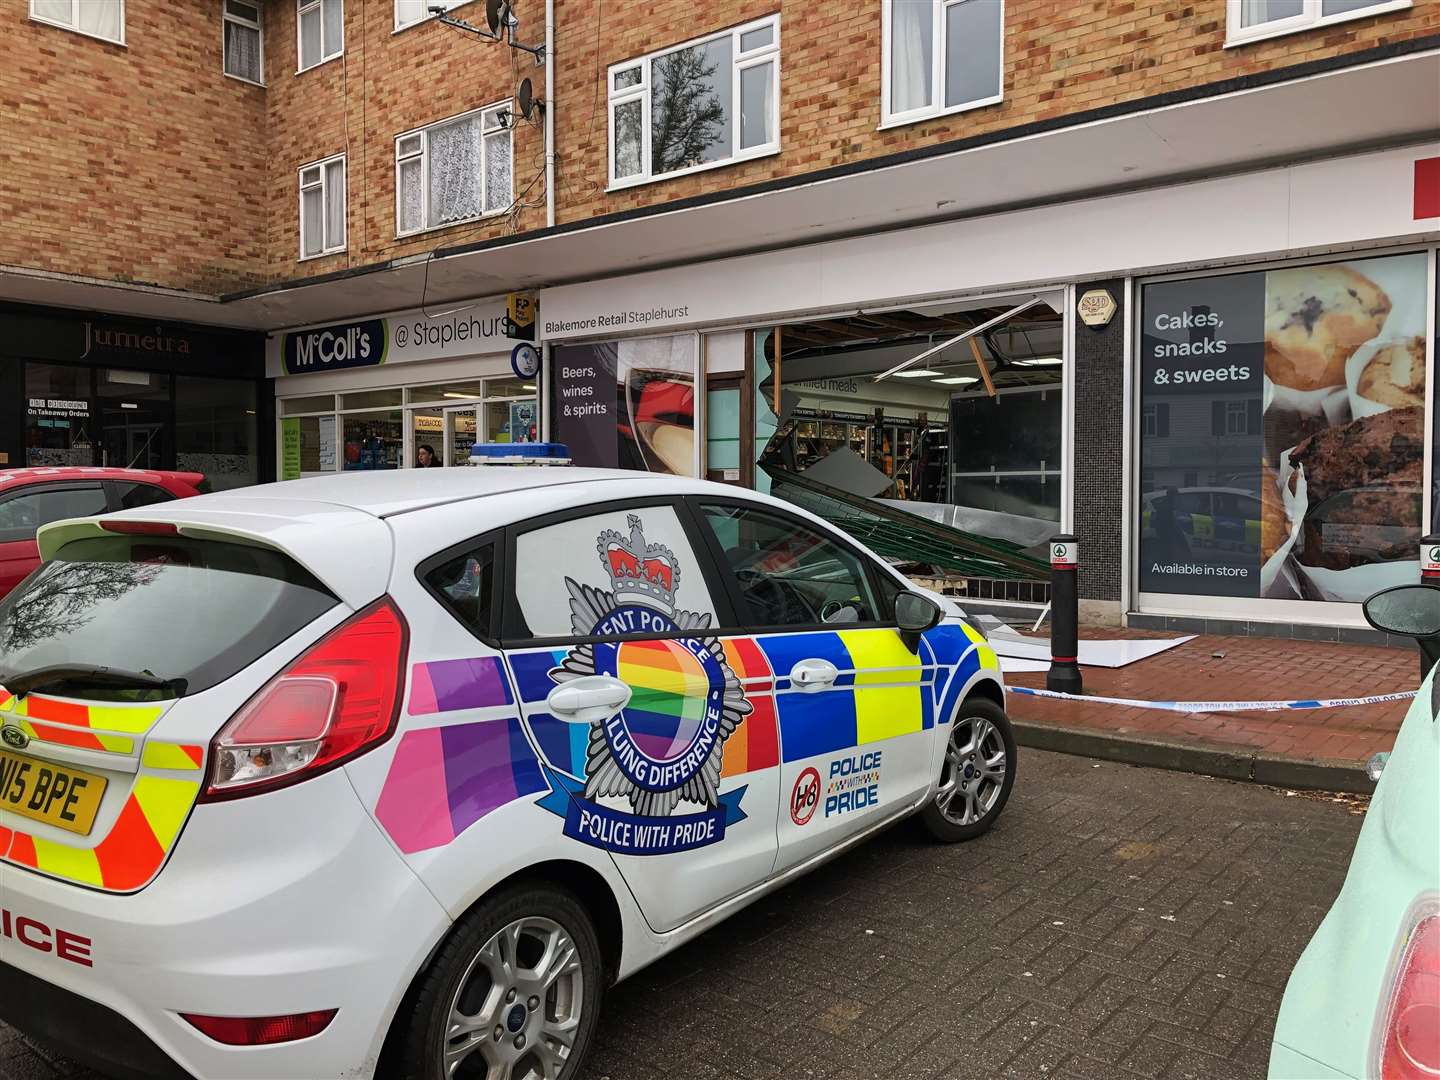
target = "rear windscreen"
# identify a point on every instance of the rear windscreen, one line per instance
(171, 607)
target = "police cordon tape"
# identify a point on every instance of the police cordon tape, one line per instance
(1218, 706)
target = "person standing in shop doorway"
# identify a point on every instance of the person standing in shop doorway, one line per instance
(425, 456)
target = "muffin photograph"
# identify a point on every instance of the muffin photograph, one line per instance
(1315, 319)
(1394, 375)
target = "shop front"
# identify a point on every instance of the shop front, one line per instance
(1222, 387)
(402, 390)
(95, 389)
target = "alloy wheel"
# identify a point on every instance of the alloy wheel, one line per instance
(973, 772)
(517, 1011)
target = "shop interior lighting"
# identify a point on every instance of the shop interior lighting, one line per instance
(921, 373)
(1039, 361)
(457, 394)
(1005, 316)
(958, 380)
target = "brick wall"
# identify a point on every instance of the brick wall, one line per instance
(386, 83)
(1061, 56)
(137, 163)
(1099, 438)
(143, 163)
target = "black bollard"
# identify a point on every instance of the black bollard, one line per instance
(1064, 674)
(1430, 561)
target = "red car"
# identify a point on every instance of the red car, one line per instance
(30, 498)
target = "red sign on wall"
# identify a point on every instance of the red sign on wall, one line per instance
(1427, 187)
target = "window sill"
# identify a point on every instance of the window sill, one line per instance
(320, 63)
(321, 255)
(738, 159)
(242, 79)
(932, 114)
(83, 33)
(453, 224)
(427, 19)
(1237, 38)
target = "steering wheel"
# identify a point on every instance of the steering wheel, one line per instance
(765, 591)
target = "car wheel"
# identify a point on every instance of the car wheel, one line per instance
(513, 994)
(976, 773)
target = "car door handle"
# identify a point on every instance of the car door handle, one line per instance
(813, 675)
(590, 697)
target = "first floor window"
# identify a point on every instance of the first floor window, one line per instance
(942, 56)
(1250, 20)
(457, 170)
(322, 207)
(704, 103)
(410, 12)
(321, 30)
(99, 18)
(243, 59)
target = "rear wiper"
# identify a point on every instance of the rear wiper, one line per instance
(89, 675)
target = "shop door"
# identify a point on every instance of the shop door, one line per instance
(135, 419)
(460, 428)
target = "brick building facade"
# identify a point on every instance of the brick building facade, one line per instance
(810, 188)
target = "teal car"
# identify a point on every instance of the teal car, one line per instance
(1363, 1002)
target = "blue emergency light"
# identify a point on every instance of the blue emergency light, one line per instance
(530, 453)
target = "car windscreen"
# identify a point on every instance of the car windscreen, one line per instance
(191, 612)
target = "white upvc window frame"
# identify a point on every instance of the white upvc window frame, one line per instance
(939, 44)
(1310, 17)
(641, 91)
(423, 154)
(258, 27)
(450, 5)
(321, 167)
(74, 24)
(303, 6)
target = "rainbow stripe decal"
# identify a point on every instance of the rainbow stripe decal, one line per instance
(442, 686)
(444, 779)
(668, 692)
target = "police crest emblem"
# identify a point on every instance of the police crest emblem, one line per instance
(664, 748)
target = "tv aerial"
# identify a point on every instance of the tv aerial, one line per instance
(500, 25)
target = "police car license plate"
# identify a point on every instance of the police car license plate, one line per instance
(55, 794)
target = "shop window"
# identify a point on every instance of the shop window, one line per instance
(1253, 20)
(373, 440)
(322, 207)
(216, 432)
(243, 46)
(465, 585)
(1006, 453)
(452, 172)
(1293, 467)
(136, 421)
(635, 570)
(463, 390)
(696, 106)
(628, 404)
(320, 31)
(410, 12)
(98, 18)
(788, 574)
(941, 56)
(60, 415)
(315, 403)
(371, 399)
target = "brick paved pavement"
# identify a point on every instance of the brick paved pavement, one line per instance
(1119, 923)
(1253, 669)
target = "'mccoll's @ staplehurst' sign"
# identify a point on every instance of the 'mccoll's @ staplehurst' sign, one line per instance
(406, 336)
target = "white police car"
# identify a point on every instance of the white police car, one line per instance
(394, 773)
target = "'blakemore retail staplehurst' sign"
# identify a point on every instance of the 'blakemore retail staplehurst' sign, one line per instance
(401, 337)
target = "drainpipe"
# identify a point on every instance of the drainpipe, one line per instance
(549, 113)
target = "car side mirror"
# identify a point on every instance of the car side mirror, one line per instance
(1412, 611)
(1409, 610)
(914, 614)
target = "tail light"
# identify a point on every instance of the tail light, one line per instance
(335, 701)
(262, 1030)
(1410, 1032)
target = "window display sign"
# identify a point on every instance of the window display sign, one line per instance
(628, 404)
(1282, 431)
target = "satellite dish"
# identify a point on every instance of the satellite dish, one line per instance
(497, 13)
(526, 97)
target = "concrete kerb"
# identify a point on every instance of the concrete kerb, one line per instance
(1226, 764)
